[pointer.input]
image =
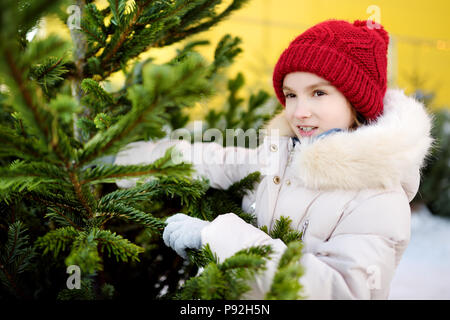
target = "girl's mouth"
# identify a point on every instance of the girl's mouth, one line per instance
(308, 132)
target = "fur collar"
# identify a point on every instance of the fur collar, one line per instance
(383, 154)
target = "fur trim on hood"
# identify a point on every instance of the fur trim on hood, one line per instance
(382, 154)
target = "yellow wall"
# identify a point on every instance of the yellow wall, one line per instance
(419, 30)
(420, 39)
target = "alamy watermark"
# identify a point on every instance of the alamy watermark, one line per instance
(74, 280)
(245, 147)
(74, 20)
(374, 21)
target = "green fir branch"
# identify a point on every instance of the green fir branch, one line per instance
(181, 84)
(177, 34)
(123, 32)
(188, 191)
(56, 241)
(34, 115)
(84, 252)
(40, 50)
(92, 87)
(36, 169)
(113, 209)
(117, 246)
(241, 188)
(103, 143)
(38, 119)
(21, 176)
(49, 74)
(54, 139)
(65, 218)
(65, 201)
(86, 291)
(250, 116)
(285, 284)
(227, 280)
(86, 246)
(163, 166)
(221, 202)
(282, 230)
(64, 145)
(18, 146)
(16, 258)
(82, 193)
(94, 28)
(226, 51)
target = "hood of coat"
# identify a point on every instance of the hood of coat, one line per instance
(382, 154)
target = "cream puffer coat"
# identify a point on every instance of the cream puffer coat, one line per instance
(349, 193)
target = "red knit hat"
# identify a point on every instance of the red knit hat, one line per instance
(352, 57)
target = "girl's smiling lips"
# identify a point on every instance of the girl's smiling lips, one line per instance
(306, 133)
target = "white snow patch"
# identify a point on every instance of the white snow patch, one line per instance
(424, 270)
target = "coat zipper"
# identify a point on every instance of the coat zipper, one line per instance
(305, 220)
(304, 227)
(306, 223)
(284, 173)
(291, 154)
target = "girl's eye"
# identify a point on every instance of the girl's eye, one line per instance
(289, 95)
(292, 95)
(320, 92)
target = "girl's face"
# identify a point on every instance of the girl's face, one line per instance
(311, 101)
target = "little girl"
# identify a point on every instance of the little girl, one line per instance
(346, 155)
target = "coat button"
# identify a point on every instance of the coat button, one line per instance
(273, 147)
(288, 182)
(276, 179)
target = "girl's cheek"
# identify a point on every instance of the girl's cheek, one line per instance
(289, 115)
(289, 103)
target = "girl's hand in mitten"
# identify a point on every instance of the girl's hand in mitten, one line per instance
(182, 232)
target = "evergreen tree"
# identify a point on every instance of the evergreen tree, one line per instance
(434, 189)
(229, 280)
(58, 199)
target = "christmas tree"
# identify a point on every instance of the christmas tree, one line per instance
(61, 211)
(434, 190)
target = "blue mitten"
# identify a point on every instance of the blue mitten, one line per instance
(182, 232)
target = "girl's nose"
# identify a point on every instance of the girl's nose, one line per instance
(302, 111)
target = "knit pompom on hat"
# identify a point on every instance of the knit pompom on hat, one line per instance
(351, 56)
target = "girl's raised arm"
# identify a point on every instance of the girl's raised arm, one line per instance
(222, 166)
